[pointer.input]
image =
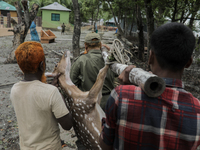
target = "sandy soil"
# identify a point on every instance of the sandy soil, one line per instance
(10, 74)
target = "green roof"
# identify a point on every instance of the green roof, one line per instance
(6, 6)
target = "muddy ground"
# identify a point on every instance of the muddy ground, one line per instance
(10, 74)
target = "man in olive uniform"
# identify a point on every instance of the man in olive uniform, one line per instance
(85, 69)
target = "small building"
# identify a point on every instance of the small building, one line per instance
(111, 22)
(6, 8)
(54, 15)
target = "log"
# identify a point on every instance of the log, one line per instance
(127, 42)
(151, 84)
(57, 53)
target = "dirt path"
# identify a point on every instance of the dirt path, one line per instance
(10, 74)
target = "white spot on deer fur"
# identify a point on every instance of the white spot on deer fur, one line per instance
(91, 106)
(81, 116)
(83, 111)
(95, 128)
(96, 142)
(83, 102)
(82, 107)
(77, 104)
(85, 116)
(69, 92)
(87, 106)
(82, 124)
(99, 147)
(77, 114)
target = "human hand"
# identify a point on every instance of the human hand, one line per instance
(55, 80)
(124, 76)
(106, 46)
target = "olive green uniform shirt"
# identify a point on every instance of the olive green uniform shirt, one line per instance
(84, 72)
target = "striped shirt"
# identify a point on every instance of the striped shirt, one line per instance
(168, 122)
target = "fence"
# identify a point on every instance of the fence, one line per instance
(5, 21)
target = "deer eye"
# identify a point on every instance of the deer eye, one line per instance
(56, 65)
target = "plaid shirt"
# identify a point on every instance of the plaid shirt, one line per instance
(168, 122)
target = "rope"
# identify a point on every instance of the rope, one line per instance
(119, 52)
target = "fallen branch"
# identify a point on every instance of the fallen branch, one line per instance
(57, 53)
(8, 84)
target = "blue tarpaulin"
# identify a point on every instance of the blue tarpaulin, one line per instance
(34, 34)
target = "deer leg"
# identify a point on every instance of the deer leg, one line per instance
(68, 67)
(95, 93)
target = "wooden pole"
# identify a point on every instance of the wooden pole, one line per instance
(151, 84)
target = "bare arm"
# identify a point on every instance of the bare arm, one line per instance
(124, 76)
(103, 145)
(66, 121)
(106, 46)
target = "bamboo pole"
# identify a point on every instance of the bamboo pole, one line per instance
(151, 84)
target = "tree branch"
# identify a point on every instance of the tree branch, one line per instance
(13, 22)
(26, 12)
(11, 30)
(34, 11)
(19, 9)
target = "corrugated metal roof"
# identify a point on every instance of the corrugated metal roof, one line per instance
(55, 6)
(6, 6)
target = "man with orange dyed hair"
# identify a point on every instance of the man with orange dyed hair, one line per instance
(39, 107)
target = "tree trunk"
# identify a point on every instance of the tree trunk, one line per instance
(95, 20)
(175, 11)
(194, 13)
(92, 18)
(77, 30)
(20, 30)
(120, 31)
(150, 22)
(126, 24)
(140, 34)
(133, 20)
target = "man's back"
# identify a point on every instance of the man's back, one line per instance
(84, 72)
(37, 105)
(135, 120)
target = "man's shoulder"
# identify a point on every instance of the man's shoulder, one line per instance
(37, 85)
(128, 88)
(127, 92)
(81, 57)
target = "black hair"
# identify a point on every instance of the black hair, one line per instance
(173, 45)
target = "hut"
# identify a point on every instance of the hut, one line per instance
(6, 8)
(54, 15)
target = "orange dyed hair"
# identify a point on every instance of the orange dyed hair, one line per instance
(29, 55)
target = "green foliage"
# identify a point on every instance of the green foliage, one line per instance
(198, 61)
(184, 11)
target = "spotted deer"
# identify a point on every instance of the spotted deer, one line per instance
(84, 106)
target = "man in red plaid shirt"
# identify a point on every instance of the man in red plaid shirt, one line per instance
(168, 122)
